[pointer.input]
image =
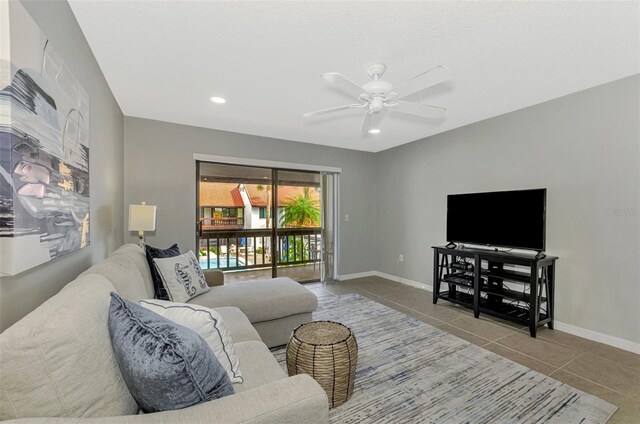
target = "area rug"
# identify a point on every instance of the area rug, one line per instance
(412, 372)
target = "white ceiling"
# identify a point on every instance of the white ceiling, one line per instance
(165, 59)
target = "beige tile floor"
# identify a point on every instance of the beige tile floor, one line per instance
(604, 371)
(298, 273)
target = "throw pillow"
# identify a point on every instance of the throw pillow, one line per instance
(153, 253)
(182, 277)
(208, 324)
(166, 366)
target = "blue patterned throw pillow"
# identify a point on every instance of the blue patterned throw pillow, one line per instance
(155, 253)
(166, 366)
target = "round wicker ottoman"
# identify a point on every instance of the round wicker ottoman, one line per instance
(328, 352)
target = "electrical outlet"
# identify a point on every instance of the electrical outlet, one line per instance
(401, 258)
(346, 218)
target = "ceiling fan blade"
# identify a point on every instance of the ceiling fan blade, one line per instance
(333, 109)
(426, 111)
(365, 122)
(344, 83)
(424, 80)
(371, 121)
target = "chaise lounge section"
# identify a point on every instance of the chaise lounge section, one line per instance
(275, 307)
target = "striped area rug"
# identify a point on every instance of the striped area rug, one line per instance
(412, 372)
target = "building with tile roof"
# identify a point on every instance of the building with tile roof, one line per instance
(232, 205)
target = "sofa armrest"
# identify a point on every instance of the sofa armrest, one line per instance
(214, 277)
(294, 400)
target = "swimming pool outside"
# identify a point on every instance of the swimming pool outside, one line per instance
(233, 262)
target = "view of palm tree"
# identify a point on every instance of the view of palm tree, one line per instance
(301, 210)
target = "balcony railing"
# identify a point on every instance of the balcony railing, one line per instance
(237, 249)
(214, 223)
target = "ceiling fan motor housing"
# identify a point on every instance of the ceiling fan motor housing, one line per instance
(378, 87)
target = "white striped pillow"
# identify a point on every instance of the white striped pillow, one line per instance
(208, 324)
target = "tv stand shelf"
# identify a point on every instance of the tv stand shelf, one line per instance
(487, 287)
(508, 275)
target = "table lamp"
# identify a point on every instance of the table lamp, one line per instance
(142, 218)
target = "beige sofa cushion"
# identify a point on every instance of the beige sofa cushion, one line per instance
(58, 360)
(295, 400)
(238, 324)
(122, 272)
(136, 253)
(259, 366)
(261, 300)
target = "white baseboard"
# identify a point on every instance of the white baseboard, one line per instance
(402, 280)
(356, 275)
(585, 333)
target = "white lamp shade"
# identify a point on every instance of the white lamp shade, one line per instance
(142, 217)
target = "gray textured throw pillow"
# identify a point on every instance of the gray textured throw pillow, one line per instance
(166, 366)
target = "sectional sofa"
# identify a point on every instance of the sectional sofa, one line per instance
(57, 363)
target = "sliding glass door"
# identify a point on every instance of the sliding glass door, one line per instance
(233, 231)
(255, 222)
(298, 227)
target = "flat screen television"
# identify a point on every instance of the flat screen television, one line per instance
(513, 219)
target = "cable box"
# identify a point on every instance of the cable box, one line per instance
(465, 266)
(459, 278)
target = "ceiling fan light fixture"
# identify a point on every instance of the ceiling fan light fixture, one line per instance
(218, 100)
(374, 131)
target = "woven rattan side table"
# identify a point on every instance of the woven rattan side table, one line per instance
(328, 352)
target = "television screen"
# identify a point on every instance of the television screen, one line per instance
(501, 218)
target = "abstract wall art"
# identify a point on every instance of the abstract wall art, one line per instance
(44, 148)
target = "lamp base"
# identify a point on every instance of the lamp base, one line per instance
(141, 238)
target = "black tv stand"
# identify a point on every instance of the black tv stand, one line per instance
(514, 286)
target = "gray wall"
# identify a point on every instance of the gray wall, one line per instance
(160, 170)
(584, 148)
(22, 293)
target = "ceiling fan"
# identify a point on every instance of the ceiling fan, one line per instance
(378, 95)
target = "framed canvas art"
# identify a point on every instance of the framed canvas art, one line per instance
(44, 148)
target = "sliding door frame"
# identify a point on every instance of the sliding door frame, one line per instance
(275, 252)
(291, 167)
(336, 223)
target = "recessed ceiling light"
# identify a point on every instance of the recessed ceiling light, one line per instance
(218, 100)
(374, 131)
